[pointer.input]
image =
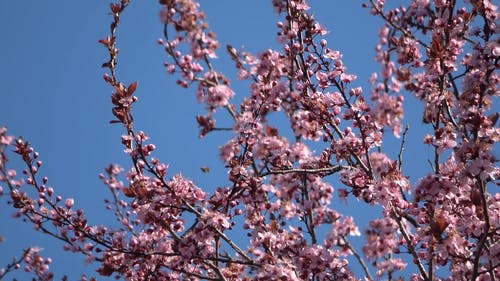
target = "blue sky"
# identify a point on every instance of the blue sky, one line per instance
(52, 93)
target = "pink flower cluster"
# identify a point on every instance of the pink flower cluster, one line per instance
(276, 218)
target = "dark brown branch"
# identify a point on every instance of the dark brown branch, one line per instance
(327, 170)
(358, 257)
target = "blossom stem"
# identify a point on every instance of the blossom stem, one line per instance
(409, 244)
(358, 257)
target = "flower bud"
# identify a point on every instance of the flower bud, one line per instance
(69, 203)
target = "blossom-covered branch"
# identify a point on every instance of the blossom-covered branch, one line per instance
(274, 219)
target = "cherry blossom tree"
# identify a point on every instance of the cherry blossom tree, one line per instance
(280, 186)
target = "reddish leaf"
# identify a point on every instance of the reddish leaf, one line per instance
(270, 131)
(493, 118)
(115, 8)
(129, 192)
(119, 90)
(438, 225)
(104, 41)
(131, 88)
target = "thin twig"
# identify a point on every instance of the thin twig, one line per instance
(328, 170)
(358, 257)
(402, 147)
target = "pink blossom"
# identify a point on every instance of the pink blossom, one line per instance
(304, 124)
(219, 95)
(348, 78)
(299, 135)
(5, 139)
(69, 203)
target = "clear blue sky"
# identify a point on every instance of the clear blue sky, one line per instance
(52, 93)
